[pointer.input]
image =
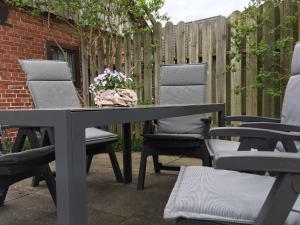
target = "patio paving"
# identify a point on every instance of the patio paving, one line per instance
(110, 203)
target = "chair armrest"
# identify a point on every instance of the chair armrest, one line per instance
(272, 126)
(254, 133)
(284, 162)
(286, 138)
(251, 119)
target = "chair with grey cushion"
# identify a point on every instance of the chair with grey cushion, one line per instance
(18, 166)
(222, 196)
(289, 122)
(51, 86)
(183, 136)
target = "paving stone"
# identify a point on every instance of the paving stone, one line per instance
(110, 203)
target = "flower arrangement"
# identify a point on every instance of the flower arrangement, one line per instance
(112, 88)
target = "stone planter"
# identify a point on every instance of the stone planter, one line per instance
(115, 98)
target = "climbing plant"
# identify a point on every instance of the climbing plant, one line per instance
(272, 72)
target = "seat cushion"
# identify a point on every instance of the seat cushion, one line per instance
(95, 135)
(218, 195)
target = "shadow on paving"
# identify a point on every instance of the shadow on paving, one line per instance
(109, 203)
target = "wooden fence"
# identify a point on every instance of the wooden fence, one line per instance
(209, 41)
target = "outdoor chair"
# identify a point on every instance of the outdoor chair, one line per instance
(289, 122)
(182, 136)
(18, 166)
(51, 86)
(221, 195)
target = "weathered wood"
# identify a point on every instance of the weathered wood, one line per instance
(236, 76)
(180, 43)
(194, 43)
(221, 35)
(207, 56)
(148, 67)
(137, 58)
(251, 74)
(169, 43)
(157, 59)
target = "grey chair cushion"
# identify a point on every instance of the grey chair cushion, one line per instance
(54, 94)
(46, 70)
(214, 146)
(219, 195)
(183, 84)
(95, 134)
(296, 60)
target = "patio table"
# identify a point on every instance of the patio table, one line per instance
(69, 128)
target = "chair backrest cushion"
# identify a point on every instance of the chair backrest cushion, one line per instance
(183, 84)
(50, 84)
(291, 103)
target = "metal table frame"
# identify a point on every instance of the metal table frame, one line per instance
(69, 128)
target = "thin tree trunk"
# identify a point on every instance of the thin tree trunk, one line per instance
(85, 73)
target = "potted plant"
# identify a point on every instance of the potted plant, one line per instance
(112, 89)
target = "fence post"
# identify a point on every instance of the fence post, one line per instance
(157, 59)
(148, 61)
(180, 42)
(236, 76)
(251, 74)
(221, 35)
(169, 43)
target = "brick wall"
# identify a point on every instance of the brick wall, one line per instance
(25, 38)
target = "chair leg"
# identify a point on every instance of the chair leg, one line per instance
(89, 159)
(115, 165)
(142, 171)
(156, 163)
(4, 185)
(50, 181)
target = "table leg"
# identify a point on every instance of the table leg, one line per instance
(70, 172)
(127, 160)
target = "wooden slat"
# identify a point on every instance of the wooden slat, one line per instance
(194, 43)
(251, 74)
(137, 58)
(127, 54)
(207, 56)
(236, 76)
(221, 35)
(180, 43)
(147, 67)
(157, 59)
(169, 43)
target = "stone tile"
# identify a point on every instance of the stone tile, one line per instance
(110, 203)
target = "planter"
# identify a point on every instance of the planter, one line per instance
(115, 98)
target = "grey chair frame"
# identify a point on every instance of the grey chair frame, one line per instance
(11, 173)
(170, 146)
(286, 165)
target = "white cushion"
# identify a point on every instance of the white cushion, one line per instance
(220, 195)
